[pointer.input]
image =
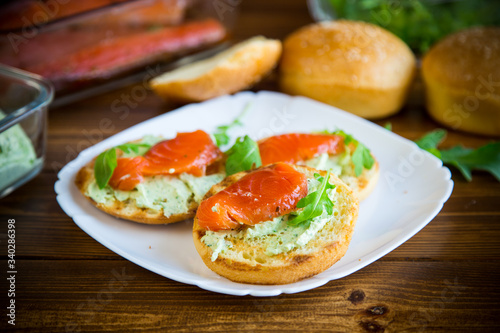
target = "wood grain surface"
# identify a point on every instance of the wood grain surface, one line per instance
(445, 278)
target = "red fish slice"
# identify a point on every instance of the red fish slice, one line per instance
(259, 196)
(294, 148)
(105, 59)
(187, 152)
(128, 173)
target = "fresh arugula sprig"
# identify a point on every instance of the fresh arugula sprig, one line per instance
(486, 158)
(431, 140)
(221, 136)
(243, 155)
(361, 157)
(314, 203)
(105, 164)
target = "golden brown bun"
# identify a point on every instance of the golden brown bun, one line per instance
(355, 66)
(363, 185)
(228, 72)
(128, 210)
(462, 75)
(246, 261)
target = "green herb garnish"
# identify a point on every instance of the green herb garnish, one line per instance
(431, 140)
(105, 164)
(486, 158)
(314, 203)
(361, 157)
(221, 136)
(243, 155)
(420, 23)
(388, 126)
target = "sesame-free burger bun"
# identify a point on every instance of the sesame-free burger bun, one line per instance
(462, 81)
(355, 66)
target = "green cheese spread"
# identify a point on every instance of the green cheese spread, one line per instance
(172, 194)
(17, 155)
(276, 236)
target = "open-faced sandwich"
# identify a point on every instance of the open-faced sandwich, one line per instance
(275, 225)
(158, 181)
(348, 159)
(153, 180)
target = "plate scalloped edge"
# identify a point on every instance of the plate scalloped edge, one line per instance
(88, 217)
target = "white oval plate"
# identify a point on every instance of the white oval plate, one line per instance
(412, 189)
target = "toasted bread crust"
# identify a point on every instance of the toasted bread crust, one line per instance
(365, 183)
(251, 61)
(293, 265)
(128, 210)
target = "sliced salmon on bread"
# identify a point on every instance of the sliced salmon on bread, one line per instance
(275, 251)
(258, 196)
(161, 185)
(323, 152)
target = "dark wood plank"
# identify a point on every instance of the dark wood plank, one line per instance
(385, 296)
(445, 278)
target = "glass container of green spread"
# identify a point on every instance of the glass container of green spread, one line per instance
(24, 99)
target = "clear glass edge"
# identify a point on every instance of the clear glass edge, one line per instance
(43, 99)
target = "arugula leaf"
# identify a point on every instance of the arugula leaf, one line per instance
(486, 158)
(314, 203)
(243, 155)
(106, 162)
(431, 140)
(132, 147)
(361, 158)
(104, 166)
(221, 136)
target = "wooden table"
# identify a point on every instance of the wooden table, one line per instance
(445, 278)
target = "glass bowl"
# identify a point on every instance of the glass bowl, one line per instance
(24, 98)
(79, 45)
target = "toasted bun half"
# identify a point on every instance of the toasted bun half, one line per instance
(363, 185)
(230, 71)
(461, 75)
(247, 262)
(355, 66)
(129, 210)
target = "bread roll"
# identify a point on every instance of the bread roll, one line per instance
(355, 66)
(228, 72)
(462, 81)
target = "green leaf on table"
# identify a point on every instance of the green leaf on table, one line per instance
(486, 158)
(105, 164)
(314, 203)
(431, 140)
(243, 155)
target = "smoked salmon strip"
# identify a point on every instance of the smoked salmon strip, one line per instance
(134, 50)
(128, 173)
(187, 152)
(259, 196)
(294, 148)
